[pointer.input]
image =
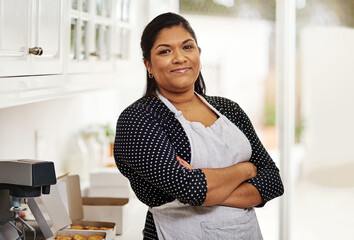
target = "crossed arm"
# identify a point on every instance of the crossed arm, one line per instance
(226, 189)
(146, 154)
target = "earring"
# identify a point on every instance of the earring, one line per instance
(150, 75)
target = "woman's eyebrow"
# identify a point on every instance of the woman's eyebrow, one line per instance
(189, 39)
(167, 45)
(162, 45)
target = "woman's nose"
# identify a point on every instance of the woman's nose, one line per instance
(179, 57)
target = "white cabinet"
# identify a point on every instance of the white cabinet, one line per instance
(30, 37)
(14, 37)
(47, 35)
(99, 33)
(54, 48)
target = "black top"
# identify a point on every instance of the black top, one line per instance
(148, 140)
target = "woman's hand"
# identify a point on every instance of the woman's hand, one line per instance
(184, 163)
(234, 197)
(248, 166)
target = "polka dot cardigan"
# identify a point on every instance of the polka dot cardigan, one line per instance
(148, 140)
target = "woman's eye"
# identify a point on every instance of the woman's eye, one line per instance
(187, 47)
(165, 51)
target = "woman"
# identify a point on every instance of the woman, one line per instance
(195, 160)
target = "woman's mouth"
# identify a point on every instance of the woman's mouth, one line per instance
(181, 70)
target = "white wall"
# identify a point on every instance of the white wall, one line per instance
(156, 7)
(235, 59)
(57, 122)
(327, 77)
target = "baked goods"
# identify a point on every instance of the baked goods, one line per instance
(79, 237)
(95, 237)
(62, 238)
(91, 228)
(78, 227)
(105, 228)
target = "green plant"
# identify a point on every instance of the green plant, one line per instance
(270, 114)
(109, 132)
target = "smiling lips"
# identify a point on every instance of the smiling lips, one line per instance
(181, 70)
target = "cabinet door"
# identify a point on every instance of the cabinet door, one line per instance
(47, 36)
(14, 37)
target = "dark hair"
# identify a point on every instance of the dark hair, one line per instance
(148, 38)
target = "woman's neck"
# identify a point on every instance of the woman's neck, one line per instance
(180, 100)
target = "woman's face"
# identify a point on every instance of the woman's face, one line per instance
(175, 60)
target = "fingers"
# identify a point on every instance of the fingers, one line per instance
(253, 169)
(249, 168)
(184, 163)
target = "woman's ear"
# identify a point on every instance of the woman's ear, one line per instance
(147, 65)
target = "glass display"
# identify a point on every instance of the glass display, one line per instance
(83, 54)
(105, 43)
(118, 10)
(108, 8)
(92, 35)
(97, 40)
(99, 5)
(85, 5)
(125, 10)
(74, 4)
(73, 36)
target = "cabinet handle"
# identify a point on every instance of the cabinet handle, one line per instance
(35, 51)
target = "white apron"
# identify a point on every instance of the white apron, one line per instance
(217, 146)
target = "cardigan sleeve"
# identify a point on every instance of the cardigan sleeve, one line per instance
(145, 155)
(267, 181)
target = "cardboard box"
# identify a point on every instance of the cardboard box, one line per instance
(116, 192)
(62, 207)
(49, 210)
(108, 177)
(108, 209)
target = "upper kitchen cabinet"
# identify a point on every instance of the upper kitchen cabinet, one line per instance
(121, 30)
(30, 37)
(55, 48)
(99, 33)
